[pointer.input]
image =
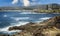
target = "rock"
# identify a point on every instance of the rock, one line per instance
(49, 28)
(23, 27)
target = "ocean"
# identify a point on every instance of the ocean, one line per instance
(10, 18)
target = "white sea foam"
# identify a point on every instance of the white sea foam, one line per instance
(20, 18)
(45, 18)
(5, 30)
(19, 23)
(29, 13)
(5, 15)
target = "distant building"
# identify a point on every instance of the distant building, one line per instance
(36, 8)
(53, 6)
(43, 7)
(49, 7)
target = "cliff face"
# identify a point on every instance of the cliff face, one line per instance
(49, 28)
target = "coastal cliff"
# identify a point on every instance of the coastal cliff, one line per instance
(50, 27)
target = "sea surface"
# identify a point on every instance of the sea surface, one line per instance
(9, 19)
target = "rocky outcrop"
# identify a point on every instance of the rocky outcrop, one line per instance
(23, 27)
(49, 28)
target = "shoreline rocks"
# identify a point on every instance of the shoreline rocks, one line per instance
(49, 28)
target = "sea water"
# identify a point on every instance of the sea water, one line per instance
(9, 19)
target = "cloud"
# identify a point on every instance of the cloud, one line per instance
(26, 2)
(14, 1)
(35, 2)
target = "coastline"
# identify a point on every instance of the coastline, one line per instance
(33, 29)
(32, 12)
(49, 26)
(32, 24)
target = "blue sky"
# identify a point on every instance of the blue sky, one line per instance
(20, 2)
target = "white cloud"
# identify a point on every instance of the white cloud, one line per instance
(26, 2)
(14, 1)
(34, 2)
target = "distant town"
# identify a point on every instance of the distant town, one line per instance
(38, 8)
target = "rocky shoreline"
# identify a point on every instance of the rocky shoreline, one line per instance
(50, 27)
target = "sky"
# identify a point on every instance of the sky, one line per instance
(26, 2)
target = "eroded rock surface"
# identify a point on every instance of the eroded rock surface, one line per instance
(49, 28)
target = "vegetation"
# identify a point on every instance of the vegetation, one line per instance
(48, 11)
